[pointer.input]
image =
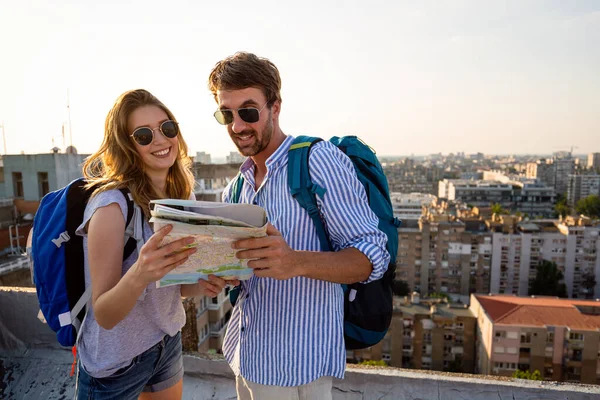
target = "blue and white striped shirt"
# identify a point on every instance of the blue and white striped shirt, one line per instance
(290, 332)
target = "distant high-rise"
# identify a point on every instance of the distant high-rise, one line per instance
(203, 157)
(234, 157)
(582, 186)
(594, 161)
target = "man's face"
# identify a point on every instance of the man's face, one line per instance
(249, 138)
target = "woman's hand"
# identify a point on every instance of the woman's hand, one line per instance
(211, 287)
(155, 261)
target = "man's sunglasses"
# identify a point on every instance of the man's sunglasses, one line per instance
(144, 135)
(247, 114)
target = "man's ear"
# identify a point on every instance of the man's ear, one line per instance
(276, 108)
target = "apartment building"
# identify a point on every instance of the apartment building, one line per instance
(426, 334)
(211, 179)
(408, 207)
(527, 197)
(563, 167)
(593, 161)
(541, 170)
(582, 186)
(560, 338)
(573, 244)
(445, 254)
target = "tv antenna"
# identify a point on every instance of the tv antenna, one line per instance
(69, 115)
(3, 136)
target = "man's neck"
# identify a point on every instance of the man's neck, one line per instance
(260, 159)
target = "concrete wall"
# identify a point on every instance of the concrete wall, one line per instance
(33, 366)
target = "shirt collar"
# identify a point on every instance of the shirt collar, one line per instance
(275, 160)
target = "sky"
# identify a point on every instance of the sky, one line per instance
(408, 77)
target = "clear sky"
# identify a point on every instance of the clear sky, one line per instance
(516, 76)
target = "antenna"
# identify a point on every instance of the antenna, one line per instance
(3, 136)
(69, 113)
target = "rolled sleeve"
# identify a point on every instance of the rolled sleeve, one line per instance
(348, 218)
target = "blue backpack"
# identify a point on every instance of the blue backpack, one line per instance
(368, 308)
(58, 257)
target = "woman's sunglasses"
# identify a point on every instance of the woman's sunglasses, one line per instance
(144, 135)
(247, 114)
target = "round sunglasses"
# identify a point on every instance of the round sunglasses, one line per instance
(145, 135)
(247, 114)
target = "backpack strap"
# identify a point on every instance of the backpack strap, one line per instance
(236, 188)
(131, 243)
(134, 239)
(234, 197)
(302, 188)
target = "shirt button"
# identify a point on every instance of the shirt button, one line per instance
(248, 296)
(242, 329)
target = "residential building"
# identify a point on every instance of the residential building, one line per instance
(573, 244)
(408, 207)
(560, 338)
(593, 161)
(527, 197)
(582, 186)
(564, 165)
(202, 157)
(445, 254)
(542, 170)
(211, 179)
(426, 334)
(234, 158)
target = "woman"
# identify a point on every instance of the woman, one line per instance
(130, 343)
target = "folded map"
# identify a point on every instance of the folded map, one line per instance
(214, 226)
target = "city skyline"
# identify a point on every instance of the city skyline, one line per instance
(410, 78)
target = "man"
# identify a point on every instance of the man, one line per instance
(285, 337)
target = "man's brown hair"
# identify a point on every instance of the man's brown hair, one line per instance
(244, 70)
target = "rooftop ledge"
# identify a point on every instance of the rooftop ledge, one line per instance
(32, 366)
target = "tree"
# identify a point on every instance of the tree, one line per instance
(400, 288)
(497, 209)
(590, 206)
(547, 281)
(439, 295)
(535, 376)
(561, 208)
(589, 282)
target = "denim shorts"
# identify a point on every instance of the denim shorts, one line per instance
(156, 369)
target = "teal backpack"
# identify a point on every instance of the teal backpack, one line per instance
(368, 307)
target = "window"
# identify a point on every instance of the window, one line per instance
(499, 349)
(43, 187)
(17, 184)
(512, 335)
(501, 334)
(511, 350)
(575, 336)
(550, 337)
(526, 337)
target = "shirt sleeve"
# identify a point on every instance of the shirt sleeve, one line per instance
(349, 220)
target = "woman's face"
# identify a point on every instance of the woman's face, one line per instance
(161, 153)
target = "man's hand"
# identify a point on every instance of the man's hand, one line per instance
(270, 256)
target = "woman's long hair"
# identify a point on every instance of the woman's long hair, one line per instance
(117, 164)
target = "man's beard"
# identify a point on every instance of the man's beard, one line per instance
(260, 143)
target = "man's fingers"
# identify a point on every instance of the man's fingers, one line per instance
(254, 243)
(272, 231)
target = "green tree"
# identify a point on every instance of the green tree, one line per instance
(400, 288)
(378, 363)
(533, 376)
(547, 281)
(561, 208)
(497, 209)
(590, 206)
(438, 295)
(589, 282)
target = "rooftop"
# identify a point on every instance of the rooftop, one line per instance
(33, 366)
(542, 311)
